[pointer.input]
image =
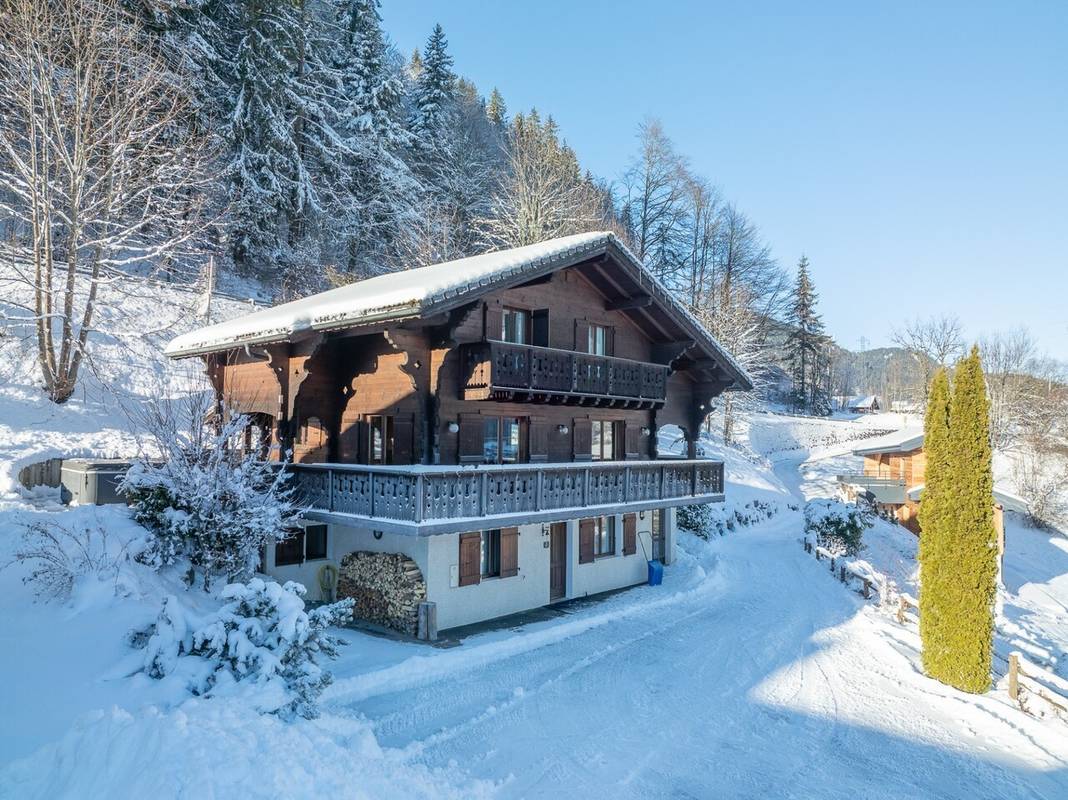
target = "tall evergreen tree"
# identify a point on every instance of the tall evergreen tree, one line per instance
(384, 190)
(435, 91)
(496, 110)
(805, 344)
(936, 526)
(958, 540)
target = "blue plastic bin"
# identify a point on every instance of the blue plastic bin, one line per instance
(656, 573)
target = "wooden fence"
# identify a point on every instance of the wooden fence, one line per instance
(43, 473)
(1024, 677)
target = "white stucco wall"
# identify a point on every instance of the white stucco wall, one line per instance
(492, 597)
(340, 541)
(439, 557)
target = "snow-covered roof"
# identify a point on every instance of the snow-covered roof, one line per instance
(416, 292)
(1004, 498)
(901, 441)
(867, 401)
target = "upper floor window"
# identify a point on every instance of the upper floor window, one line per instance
(602, 440)
(503, 440)
(598, 339)
(515, 326)
(380, 439)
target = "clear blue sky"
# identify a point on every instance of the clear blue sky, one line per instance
(916, 152)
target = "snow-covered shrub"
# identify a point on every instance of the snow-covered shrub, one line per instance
(206, 500)
(838, 527)
(58, 556)
(262, 636)
(706, 519)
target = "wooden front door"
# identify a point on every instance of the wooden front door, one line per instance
(557, 560)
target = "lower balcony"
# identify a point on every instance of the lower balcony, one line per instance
(420, 500)
(887, 491)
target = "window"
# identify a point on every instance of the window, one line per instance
(604, 536)
(658, 534)
(515, 326)
(503, 440)
(598, 340)
(539, 328)
(490, 554)
(602, 440)
(290, 551)
(311, 433)
(380, 439)
(315, 542)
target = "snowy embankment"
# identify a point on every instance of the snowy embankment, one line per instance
(124, 369)
(1033, 600)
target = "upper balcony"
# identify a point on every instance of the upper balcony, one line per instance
(518, 372)
(420, 500)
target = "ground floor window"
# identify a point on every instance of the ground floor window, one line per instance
(604, 536)
(315, 542)
(490, 553)
(290, 551)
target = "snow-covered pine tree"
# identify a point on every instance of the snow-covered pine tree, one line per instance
(384, 189)
(496, 110)
(435, 93)
(805, 344)
(287, 161)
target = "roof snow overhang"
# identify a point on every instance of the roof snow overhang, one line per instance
(427, 291)
(903, 441)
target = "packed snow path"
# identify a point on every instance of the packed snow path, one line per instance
(767, 680)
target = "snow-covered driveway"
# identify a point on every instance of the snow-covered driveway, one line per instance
(764, 678)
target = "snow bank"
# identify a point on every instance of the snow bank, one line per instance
(223, 749)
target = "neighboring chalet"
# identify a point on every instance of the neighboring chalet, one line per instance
(868, 404)
(893, 478)
(478, 437)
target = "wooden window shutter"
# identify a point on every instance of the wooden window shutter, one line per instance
(470, 558)
(609, 341)
(630, 534)
(538, 448)
(582, 336)
(470, 439)
(583, 440)
(632, 437)
(509, 552)
(586, 527)
(403, 438)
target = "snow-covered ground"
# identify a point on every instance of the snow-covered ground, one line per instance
(749, 673)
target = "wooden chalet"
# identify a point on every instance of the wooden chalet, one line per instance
(493, 420)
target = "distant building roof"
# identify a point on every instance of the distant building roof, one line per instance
(902, 441)
(866, 401)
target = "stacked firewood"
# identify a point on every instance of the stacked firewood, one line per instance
(387, 588)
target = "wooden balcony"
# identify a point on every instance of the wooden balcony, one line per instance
(420, 500)
(519, 372)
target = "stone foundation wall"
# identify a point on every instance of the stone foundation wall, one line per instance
(387, 588)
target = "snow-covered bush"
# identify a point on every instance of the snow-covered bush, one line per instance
(838, 527)
(706, 519)
(58, 556)
(262, 637)
(207, 500)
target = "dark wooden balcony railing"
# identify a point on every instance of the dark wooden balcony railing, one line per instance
(422, 499)
(501, 370)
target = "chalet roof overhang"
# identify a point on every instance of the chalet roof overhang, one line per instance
(436, 290)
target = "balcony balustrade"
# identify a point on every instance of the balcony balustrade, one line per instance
(424, 499)
(505, 371)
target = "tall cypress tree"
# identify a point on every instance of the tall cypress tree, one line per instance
(936, 528)
(974, 549)
(958, 540)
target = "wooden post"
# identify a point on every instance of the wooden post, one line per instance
(901, 606)
(867, 589)
(817, 553)
(842, 573)
(1014, 677)
(832, 565)
(428, 621)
